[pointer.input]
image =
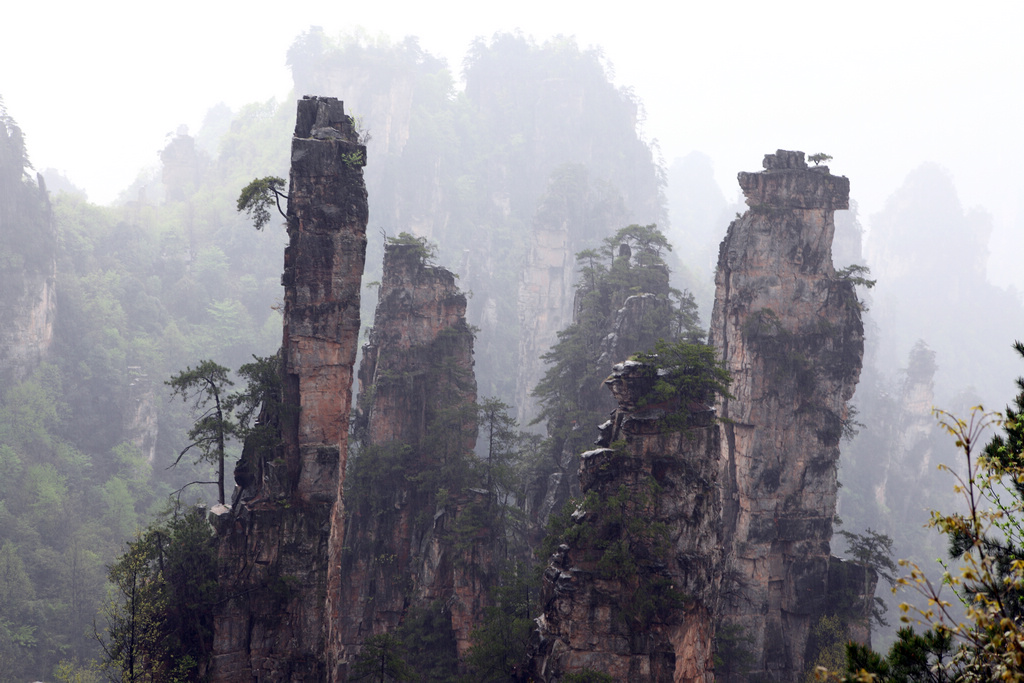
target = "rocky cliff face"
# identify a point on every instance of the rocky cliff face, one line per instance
(407, 543)
(631, 331)
(28, 260)
(633, 588)
(789, 330)
(278, 540)
(419, 327)
(27, 314)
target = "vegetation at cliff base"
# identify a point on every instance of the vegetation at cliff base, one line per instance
(159, 619)
(984, 574)
(380, 661)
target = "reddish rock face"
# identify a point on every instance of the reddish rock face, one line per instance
(401, 544)
(277, 542)
(323, 267)
(790, 333)
(646, 614)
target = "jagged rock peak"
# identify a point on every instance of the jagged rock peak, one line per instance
(787, 182)
(323, 118)
(416, 380)
(419, 307)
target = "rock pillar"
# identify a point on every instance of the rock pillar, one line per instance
(279, 543)
(632, 589)
(789, 331)
(404, 548)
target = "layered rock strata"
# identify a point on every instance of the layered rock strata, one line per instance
(789, 331)
(277, 541)
(633, 589)
(406, 547)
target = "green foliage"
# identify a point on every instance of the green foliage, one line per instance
(71, 672)
(500, 643)
(263, 392)
(857, 275)
(159, 619)
(502, 439)
(258, 196)
(733, 651)
(826, 645)
(142, 293)
(621, 541)
(571, 393)
(913, 657)
(353, 159)
(372, 473)
(420, 248)
(986, 542)
(686, 376)
(587, 676)
(205, 388)
(381, 661)
(429, 643)
(819, 158)
(873, 551)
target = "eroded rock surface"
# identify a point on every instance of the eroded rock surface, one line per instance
(277, 541)
(405, 546)
(790, 333)
(633, 589)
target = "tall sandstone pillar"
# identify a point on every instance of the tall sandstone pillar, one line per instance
(323, 267)
(416, 413)
(278, 545)
(790, 332)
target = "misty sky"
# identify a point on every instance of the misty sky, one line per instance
(883, 87)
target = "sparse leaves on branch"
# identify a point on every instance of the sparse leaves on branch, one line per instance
(857, 275)
(205, 386)
(258, 196)
(819, 158)
(986, 577)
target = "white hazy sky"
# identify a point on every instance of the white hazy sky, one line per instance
(881, 86)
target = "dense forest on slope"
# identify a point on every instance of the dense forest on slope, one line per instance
(87, 427)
